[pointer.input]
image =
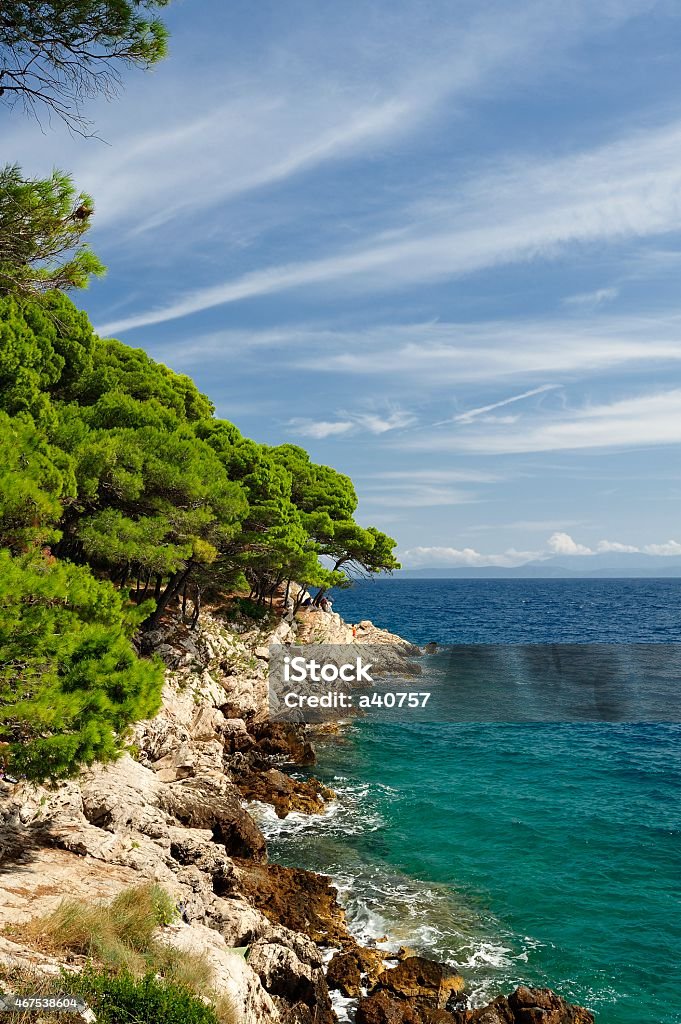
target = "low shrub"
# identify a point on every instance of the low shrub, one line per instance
(243, 607)
(122, 998)
(127, 963)
(115, 998)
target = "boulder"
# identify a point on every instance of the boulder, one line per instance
(381, 1008)
(292, 980)
(425, 982)
(233, 978)
(353, 967)
(215, 804)
(526, 1006)
(124, 797)
(542, 1006)
(236, 737)
(300, 900)
(285, 740)
(284, 793)
(345, 975)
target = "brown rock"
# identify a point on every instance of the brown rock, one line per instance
(404, 952)
(526, 1006)
(293, 982)
(426, 982)
(497, 1012)
(381, 1008)
(285, 794)
(344, 974)
(542, 1006)
(300, 900)
(214, 803)
(284, 739)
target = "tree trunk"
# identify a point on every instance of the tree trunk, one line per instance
(197, 608)
(320, 593)
(175, 585)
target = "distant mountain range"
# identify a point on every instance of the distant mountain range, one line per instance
(615, 564)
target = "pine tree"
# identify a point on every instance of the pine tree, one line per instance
(70, 680)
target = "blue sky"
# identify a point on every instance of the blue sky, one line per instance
(438, 244)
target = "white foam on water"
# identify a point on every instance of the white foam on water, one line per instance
(343, 1006)
(379, 901)
(275, 828)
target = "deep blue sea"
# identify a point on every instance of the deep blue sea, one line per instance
(543, 853)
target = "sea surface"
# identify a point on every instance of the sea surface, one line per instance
(543, 853)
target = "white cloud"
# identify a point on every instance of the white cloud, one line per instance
(372, 423)
(468, 417)
(419, 557)
(437, 476)
(595, 298)
(319, 429)
(441, 354)
(672, 547)
(303, 108)
(643, 421)
(417, 496)
(613, 545)
(559, 543)
(526, 524)
(382, 424)
(527, 210)
(563, 544)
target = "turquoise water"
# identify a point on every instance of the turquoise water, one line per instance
(549, 854)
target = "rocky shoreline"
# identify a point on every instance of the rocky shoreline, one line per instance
(172, 810)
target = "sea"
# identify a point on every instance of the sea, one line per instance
(543, 853)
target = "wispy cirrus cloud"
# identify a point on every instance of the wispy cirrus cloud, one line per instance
(319, 429)
(472, 414)
(304, 109)
(595, 298)
(437, 476)
(417, 496)
(529, 209)
(372, 423)
(443, 352)
(644, 420)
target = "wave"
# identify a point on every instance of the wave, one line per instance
(385, 907)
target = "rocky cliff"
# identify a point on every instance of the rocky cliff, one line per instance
(172, 810)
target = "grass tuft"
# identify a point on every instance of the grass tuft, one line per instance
(118, 939)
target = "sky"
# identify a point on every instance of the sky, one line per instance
(436, 243)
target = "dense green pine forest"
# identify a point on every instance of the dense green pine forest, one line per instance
(122, 496)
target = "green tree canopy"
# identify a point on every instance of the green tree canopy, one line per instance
(120, 494)
(45, 349)
(43, 222)
(70, 681)
(55, 54)
(36, 479)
